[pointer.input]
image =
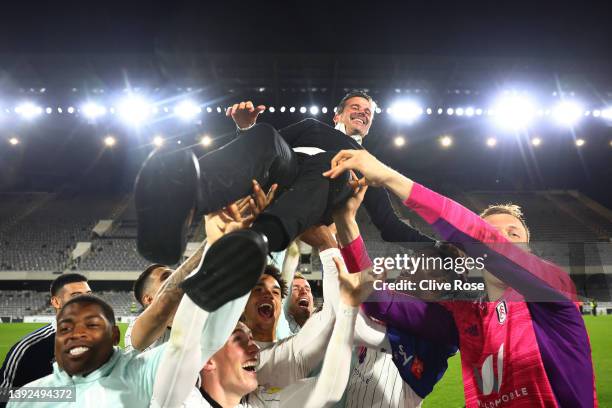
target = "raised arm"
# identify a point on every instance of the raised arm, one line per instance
(196, 335)
(384, 217)
(531, 276)
(152, 322)
(328, 388)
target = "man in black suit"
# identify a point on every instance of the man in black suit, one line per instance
(353, 118)
(171, 184)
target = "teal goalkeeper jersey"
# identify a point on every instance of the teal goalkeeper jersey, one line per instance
(126, 380)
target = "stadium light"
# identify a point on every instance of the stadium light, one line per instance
(513, 111)
(14, 141)
(450, 111)
(567, 113)
(158, 141)
(405, 111)
(271, 109)
(206, 141)
(282, 109)
(314, 110)
(28, 110)
(399, 141)
(446, 141)
(324, 110)
(478, 112)
(607, 113)
(440, 110)
(303, 109)
(187, 110)
(110, 141)
(49, 110)
(134, 110)
(93, 110)
(469, 112)
(459, 111)
(70, 110)
(292, 109)
(580, 142)
(429, 111)
(536, 141)
(491, 142)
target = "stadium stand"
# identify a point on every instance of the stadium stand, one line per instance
(39, 231)
(20, 303)
(41, 236)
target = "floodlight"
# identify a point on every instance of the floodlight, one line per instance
(158, 141)
(513, 111)
(567, 113)
(405, 111)
(28, 110)
(92, 110)
(134, 110)
(187, 110)
(110, 141)
(446, 141)
(206, 141)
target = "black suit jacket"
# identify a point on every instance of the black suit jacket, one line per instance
(312, 133)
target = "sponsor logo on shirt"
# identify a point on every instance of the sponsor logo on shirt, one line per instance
(502, 311)
(486, 379)
(504, 398)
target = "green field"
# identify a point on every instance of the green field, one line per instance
(449, 392)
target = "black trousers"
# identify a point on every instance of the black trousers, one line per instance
(304, 198)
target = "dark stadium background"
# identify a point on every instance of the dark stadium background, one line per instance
(303, 54)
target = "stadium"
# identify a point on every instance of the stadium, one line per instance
(77, 124)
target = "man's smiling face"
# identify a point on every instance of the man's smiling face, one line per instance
(356, 116)
(85, 338)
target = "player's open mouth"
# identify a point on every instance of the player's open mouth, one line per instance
(266, 310)
(359, 119)
(249, 366)
(303, 302)
(78, 351)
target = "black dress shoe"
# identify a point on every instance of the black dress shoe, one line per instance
(231, 268)
(165, 196)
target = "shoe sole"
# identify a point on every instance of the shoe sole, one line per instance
(164, 195)
(232, 266)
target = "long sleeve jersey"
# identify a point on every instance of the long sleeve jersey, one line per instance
(530, 348)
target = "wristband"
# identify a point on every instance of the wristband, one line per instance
(356, 256)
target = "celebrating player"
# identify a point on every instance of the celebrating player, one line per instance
(526, 344)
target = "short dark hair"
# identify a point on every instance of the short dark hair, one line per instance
(65, 279)
(107, 310)
(352, 94)
(142, 282)
(275, 273)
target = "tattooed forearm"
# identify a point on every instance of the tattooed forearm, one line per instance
(152, 323)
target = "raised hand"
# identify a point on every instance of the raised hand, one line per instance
(239, 214)
(374, 172)
(244, 114)
(354, 287)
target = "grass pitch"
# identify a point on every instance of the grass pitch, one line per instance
(449, 391)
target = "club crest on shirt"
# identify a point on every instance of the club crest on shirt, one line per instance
(502, 311)
(417, 368)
